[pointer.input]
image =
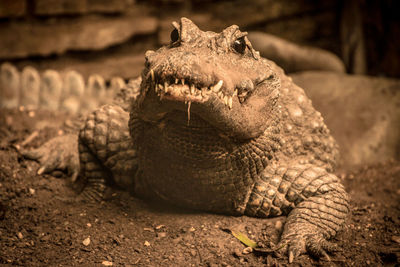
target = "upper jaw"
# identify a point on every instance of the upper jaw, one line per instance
(188, 90)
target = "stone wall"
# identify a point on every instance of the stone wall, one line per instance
(102, 36)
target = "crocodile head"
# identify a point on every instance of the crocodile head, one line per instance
(216, 78)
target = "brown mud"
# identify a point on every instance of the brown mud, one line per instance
(39, 229)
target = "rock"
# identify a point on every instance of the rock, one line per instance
(107, 263)
(292, 57)
(193, 252)
(46, 37)
(30, 88)
(161, 234)
(86, 241)
(9, 86)
(20, 236)
(147, 243)
(278, 225)
(247, 250)
(73, 90)
(362, 112)
(50, 90)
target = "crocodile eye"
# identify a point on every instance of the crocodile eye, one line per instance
(174, 35)
(239, 45)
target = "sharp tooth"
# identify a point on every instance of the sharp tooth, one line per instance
(230, 102)
(192, 89)
(226, 100)
(183, 81)
(218, 86)
(152, 74)
(165, 84)
(160, 87)
(176, 80)
(220, 94)
(203, 92)
(166, 89)
(235, 93)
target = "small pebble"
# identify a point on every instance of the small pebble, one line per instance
(192, 229)
(278, 225)
(31, 114)
(158, 227)
(31, 191)
(193, 252)
(147, 243)
(247, 250)
(20, 236)
(89, 225)
(162, 234)
(86, 241)
(107, 263)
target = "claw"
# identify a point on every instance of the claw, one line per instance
(41, 170)
(326, 256)
(291, 256)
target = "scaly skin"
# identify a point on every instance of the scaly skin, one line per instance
(218, 128)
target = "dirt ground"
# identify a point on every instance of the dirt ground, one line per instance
(39, 229)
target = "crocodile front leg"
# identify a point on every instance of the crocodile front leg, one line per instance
(105, 151)
(101, 154)
(315, 201)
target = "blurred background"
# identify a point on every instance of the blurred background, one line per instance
(109, 37)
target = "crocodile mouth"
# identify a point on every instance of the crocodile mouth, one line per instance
(186, 90)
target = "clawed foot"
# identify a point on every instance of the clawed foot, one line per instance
(314, 244)
(60, 153)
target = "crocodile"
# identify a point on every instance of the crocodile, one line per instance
(214, 127)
